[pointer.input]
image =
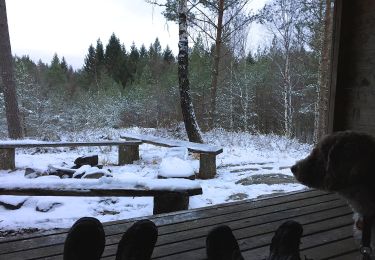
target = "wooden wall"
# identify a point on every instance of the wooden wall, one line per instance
(352, 101)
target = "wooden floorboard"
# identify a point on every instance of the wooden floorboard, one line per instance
(326, 219)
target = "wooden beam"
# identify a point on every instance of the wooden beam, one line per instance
(97, 192)
(5, 145)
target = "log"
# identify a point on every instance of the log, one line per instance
(207, 166)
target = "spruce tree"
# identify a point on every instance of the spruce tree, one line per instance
(90, 63)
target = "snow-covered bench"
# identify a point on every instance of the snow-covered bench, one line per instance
(128, 150)
(169, 194)
(207, 158)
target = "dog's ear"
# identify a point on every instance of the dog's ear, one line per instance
(348, 163)
(338, 164)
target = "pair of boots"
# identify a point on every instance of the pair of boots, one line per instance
(86, 241)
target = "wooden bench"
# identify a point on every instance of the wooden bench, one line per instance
(207, 159)
(126, 150)
(165, 201)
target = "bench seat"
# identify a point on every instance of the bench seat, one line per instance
(128, 150)
(169, 194)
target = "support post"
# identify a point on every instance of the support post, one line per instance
(207, 166)
(127, 154)
(170, 202)
(7, 158)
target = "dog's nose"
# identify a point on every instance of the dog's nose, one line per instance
(294, 169)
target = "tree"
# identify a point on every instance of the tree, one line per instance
(325, 47)
(115, 60)
(218, 21)
(187, 108)
(7, 75)
(282, 18)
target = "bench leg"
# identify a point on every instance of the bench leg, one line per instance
(7, 158)
(127, 154)
(170, 202)
(207, 166)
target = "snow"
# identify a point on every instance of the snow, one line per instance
(244, 155)
(175, 167)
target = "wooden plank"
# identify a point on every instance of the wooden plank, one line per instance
(15, 144)
(97, 192)
(256, 245)
(192, 215)
(163, 230)
(193, 147)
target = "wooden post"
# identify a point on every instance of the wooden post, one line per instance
(170, 202)
(127, 154)
(207, 166)
(7, 158)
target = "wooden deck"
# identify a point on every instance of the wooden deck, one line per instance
(326, 219)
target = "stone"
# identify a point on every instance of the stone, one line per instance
(12, 202)
(269, 179)
(31, 173)
(47, 206)
(86, 160)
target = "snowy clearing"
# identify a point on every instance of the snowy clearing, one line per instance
(250, 166)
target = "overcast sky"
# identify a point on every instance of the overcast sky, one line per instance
(40, 28)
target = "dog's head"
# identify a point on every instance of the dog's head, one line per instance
(340, 160)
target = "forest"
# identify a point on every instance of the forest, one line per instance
(280, 88)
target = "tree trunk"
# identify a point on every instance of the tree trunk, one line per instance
(187, 108)
(216, 62)
(7, 75)
(321, 110)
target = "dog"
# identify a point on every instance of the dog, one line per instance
(343, 162)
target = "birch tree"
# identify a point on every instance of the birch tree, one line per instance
(7, 75)
(281, 16)
(214, 19)
(187, 108)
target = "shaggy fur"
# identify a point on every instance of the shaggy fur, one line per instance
(343, 162)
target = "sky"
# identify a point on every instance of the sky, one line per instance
(40, 28)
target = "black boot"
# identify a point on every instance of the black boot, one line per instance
(138, 241)
(285, 243)
(85, 240)
(222, 245)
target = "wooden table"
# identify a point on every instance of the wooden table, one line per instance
(326, 219)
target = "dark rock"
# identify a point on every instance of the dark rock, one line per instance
(61, 172)
(46, 207)
(86, 160)
(93, 175)
(31, 173)
(13, 205)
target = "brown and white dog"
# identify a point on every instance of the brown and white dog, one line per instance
(343, 162)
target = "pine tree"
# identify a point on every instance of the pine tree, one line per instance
(99, 50)
(168, 55)
(133, 62)
(90, 63)
(115, 60)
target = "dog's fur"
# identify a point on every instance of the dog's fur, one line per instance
(343, 162)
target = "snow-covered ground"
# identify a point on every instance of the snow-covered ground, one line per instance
(250, 166)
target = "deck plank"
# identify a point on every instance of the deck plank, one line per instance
(326, 219)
